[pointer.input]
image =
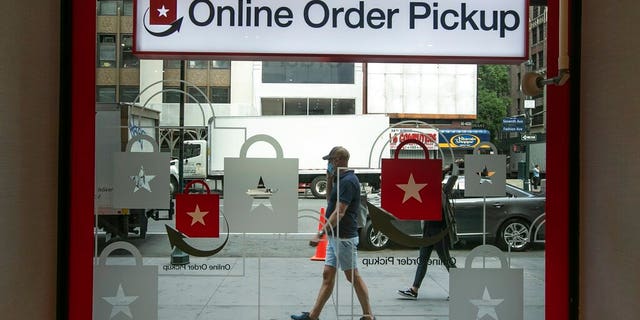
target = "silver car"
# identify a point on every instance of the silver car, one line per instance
(508, 219)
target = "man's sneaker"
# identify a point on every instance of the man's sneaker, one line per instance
(303, 316)
(408, 293)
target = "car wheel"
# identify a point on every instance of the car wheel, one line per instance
(319, 187)
(372, 239)
(514, 233)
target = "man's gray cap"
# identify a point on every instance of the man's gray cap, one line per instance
(331, 153)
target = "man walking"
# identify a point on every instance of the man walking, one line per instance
(341, 228)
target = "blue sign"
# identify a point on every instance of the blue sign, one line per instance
(463, 138)
(513, 125)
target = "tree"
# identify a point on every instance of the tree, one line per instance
(493, 98)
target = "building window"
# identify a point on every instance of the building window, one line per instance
(171, 64)
(197, 95)
(534, 35)
(541, 34)
(272, 106)
(295, 106)
(307, 72)
(129, 93)
(106, 94)
(171, 95)
(107, 7)
(540, 59)
(127, 8)
(220, 64)
(128, 59)
(538, 116)
(344, 106)
(307, 106)
(220, 94)
(198, 64)
(318, 106)
(106, 51)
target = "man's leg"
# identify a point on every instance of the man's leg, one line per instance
(328, 281)
(362, 292)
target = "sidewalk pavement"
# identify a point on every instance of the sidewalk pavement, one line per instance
(249, 288)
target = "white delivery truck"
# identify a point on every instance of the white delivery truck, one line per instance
(307, 138)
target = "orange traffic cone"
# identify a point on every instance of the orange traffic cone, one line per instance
(321, 248)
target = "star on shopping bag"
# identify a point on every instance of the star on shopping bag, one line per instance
(411, 189)
(485, 175)
(486, 305)
(198, 216)
(141, 181)
(120, 303)
(261, 196)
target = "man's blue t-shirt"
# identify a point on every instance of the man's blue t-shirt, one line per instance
(349, 194)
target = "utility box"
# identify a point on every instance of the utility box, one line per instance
(522, 169)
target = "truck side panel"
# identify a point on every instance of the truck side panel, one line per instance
(307, 138)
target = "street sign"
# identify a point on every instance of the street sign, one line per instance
(529, 104)
(528, 138)
(513, 124)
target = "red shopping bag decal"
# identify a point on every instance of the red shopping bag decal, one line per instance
(198, 215)
(411, 188)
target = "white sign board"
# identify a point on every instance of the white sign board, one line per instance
(377, 30)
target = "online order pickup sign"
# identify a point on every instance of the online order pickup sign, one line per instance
(473, 31)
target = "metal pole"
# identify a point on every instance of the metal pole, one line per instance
(525, 183)
(178, 256)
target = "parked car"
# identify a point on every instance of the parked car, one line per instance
(508, 219)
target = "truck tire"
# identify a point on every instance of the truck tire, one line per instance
(173, 187)
(319, 187)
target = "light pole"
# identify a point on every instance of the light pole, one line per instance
(527, 119)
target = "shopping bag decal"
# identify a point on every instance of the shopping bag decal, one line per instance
(412, 188)
(141, 179)
(261, 194)
(486, 293)
(124, 291)
(485, 174)
(198, 215)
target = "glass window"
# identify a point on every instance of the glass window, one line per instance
(534, 35)
(198, 64)
(307, 72)
(171, 96)
(172, 64)
(541, 34)
(106, 94)
(271, 106)
(319, 106)
(106, 51)
(107, 8)
(127, 8)
(129, 93)
(220, 94)
(541, 59)
(344, 106)
(221, 64)
(128, 59)
(295, 106)
(538, 116)
(199, 95)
